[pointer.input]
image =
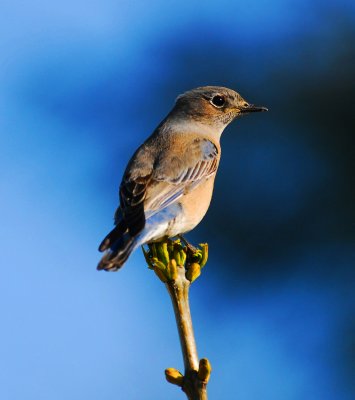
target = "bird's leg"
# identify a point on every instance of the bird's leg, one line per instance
(192, 249)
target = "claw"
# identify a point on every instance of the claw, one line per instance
(192, 249)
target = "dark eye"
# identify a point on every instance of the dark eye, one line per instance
(218, 101)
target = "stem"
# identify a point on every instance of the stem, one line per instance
(178, 289)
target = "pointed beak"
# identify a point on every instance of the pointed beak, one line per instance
(251, 108)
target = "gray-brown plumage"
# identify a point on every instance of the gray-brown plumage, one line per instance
(168, 183)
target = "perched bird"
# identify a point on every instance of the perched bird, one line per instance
(167, 186)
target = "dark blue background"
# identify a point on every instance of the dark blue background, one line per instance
(82, 84)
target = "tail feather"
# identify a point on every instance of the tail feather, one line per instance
(117, 246)
(113, 236)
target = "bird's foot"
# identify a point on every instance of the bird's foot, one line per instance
(190, 248)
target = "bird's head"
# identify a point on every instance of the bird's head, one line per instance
(213, 105)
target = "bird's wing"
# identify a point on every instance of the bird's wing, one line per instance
(180, 172)
(153, 182)
(132, 195)
(132, 192)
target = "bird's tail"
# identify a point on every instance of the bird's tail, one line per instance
(118, 246)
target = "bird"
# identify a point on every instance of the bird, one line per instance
(167, 186)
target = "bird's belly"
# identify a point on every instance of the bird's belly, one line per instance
(179, 225)
(180, 217)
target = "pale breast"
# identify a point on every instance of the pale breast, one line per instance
(194, 205)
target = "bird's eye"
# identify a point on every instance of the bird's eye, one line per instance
(218, 101)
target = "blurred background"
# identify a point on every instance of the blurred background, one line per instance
(82, 84)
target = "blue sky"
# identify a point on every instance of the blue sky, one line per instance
(82, 85)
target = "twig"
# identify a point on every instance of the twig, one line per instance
(178, 266)
(178, 289)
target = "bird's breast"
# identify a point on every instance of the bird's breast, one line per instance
(194, 205)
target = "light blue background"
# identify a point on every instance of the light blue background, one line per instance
(82, 83)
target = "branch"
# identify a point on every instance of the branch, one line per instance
(178, 266)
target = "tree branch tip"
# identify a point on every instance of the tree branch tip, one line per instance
(166, 256)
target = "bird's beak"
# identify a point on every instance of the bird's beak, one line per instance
(251, 108)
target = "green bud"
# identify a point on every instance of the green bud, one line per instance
(196, 256)
(193, 272)
(174, 376)
(204, 254)
(177, 256)
(170, 246)
(204, 370)
(172, 270)
(158, 264)
(163, 254)
(160, 274)
(182, 257)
